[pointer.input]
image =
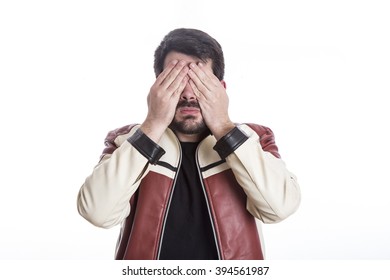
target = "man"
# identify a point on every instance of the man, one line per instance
(188, 183)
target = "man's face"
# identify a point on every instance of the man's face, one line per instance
(188, 118)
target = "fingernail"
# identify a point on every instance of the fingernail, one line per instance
(200, 64)
(192, 65)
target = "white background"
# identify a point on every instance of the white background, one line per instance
(316, 72)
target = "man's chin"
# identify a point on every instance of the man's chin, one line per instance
(189, 127)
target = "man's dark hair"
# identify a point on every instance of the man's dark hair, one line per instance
(191, 42)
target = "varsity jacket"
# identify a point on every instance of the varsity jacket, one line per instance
(243, 178)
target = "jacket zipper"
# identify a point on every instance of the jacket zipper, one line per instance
(207, 203)
(169, 205)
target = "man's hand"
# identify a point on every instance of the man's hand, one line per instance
(213, 100)
(163, 98)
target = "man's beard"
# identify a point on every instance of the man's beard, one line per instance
(188, 125)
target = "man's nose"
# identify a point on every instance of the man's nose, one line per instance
(188, 93)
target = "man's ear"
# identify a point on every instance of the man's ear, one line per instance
(223, 83)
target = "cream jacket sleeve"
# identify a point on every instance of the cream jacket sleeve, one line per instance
(104, 197)
(272, 191)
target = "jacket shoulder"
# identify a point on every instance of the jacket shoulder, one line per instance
(109, 141)
(260, 129)
(267, 138)
(111, 135)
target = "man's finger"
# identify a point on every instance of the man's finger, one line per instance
(171, 77)
(195, 89)
(178, 81)
(165, 72)
(182, 85)
(201, 87)
(205, 76)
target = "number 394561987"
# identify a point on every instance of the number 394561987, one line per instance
(255, 270)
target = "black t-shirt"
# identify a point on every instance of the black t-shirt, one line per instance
(188, 233)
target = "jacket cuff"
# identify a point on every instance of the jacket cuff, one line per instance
(230, 142)
(146, 146)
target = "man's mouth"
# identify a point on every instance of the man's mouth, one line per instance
(188, 110)
(186, 107)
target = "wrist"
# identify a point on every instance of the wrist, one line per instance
(154, 130)
(222, 129)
